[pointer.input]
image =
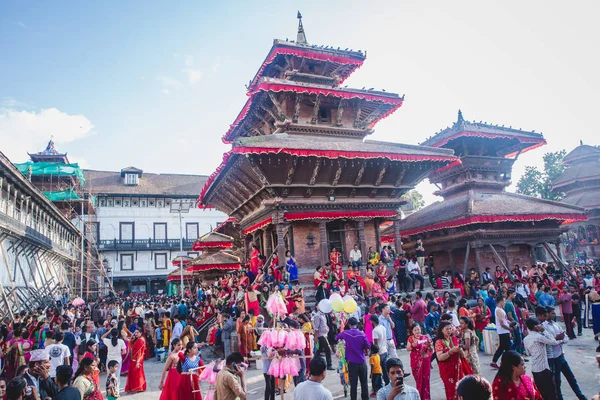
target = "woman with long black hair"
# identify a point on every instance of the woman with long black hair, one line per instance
(116, 349)
(511, 382)
(171, 385)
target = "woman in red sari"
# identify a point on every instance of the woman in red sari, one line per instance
(170, 371)
(254, 260)
(453, 366)
(377, 291)
(319, 276)
(511, 382)
(136, 378)
(335, 258)
(420, 348)
(459, 283)
(381, 272)
(288, 293)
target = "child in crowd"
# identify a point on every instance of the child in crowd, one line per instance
(112, 384)
(376, 372)
(158, 334)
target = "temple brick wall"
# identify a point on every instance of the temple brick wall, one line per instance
(370, 235)
(307, 257)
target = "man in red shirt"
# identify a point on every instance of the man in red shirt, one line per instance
(566, 306)
(418, 310)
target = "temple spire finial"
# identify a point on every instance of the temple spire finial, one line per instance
(460, 119)
(301, 38)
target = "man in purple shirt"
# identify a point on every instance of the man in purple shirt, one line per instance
(356, 347)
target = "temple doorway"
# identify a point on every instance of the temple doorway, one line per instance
(335, 238)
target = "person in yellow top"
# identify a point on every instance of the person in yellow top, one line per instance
(376, 372)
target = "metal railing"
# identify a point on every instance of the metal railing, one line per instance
(144, 244)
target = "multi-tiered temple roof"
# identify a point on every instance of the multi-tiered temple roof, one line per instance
(581, 181)
(299, 151)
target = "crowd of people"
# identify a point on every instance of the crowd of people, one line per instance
(60, 352)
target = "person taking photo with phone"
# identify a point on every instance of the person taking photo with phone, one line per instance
(230, 382)
(397, 389)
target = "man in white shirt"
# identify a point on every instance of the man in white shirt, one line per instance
(535, 345)
(59, 354)
(379, 338)
(503, 329)
(414, 271)
(178, 328)
(313, 389)
(557, 358)
(356, 256)
(452, 311)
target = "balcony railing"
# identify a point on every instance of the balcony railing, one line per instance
(144, 244)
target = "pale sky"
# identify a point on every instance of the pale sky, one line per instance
(155, 85)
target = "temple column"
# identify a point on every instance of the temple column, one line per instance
(478, 261)
(532, 254)
(281, 244)
(452, 265)
(362, 240)
(397, 237)
(267, 241)
(323, 242)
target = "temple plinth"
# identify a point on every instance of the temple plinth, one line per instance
(300, 175)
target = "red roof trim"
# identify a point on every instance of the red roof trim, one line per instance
(276, 87)
(339, 214)
(199, 246)
(447, 167)
(177, 278)
(259, 225)
(207, 267)
(333, 154)
(185, 262)
(222, 224)
(306, 54)
(536, 142)
(212, 178)
(489, 219)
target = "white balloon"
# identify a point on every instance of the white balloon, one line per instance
(325, 306)
(347, 297)
(335, 296)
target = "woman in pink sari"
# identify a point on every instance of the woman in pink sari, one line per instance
(15, 353)
(420, 348)
(377, 291)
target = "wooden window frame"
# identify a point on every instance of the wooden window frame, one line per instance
(122, 256)
(156, 260)
(154, 230)
(121, 230)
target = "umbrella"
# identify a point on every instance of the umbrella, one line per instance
(78, 301)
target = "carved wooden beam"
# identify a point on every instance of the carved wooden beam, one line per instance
(308, 192)
(291, 170)
(267, 123)
(240, 175)
(270, 112)
(313, 178)
(373, 193)
(361, 172)
(288, 61)
(358, 114)
(315, 112)
(297, 105)
(234, 192)
(352, 193)
(277, 106)
(325, 67)
(340, 113)
(400, 176)
(301, 64)
(371, 117)
(261, 175)
(336, 178)
(257, 131)
(338, 69)
(381, 174)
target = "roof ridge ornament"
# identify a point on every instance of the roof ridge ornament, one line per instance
(301, 37)
(460, 119)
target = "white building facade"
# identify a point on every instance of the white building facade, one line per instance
(135, 229)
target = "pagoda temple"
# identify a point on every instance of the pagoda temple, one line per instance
(581, 185)
(479, 224)
(300, 175)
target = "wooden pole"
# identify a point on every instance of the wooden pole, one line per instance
(467, 260)
(510, 275)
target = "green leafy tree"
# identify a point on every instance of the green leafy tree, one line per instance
(417, 199)
(538, 183)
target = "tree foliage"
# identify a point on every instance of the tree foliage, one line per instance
(417, 199)
(538, 183)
